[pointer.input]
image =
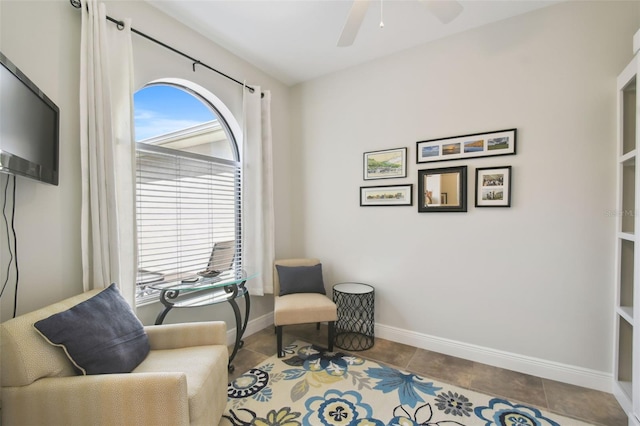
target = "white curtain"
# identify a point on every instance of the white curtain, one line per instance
(107, 152)
(257, 191)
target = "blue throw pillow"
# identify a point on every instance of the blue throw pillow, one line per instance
(101, 335)
(300, 279)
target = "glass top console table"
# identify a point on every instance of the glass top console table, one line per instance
(226, 287)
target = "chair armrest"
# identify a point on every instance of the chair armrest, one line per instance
(108, 399)
(172, 336)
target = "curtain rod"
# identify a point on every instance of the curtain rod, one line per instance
(78, 4)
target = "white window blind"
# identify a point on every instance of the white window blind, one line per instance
(185, 204)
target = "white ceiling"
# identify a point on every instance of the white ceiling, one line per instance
(295, 40)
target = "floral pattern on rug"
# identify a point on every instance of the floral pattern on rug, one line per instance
(314, 387)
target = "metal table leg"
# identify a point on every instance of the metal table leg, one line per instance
(241, 324)
(167, 297)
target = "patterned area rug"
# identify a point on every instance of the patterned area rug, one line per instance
(312, 387)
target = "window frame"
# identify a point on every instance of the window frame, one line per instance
(231, 130)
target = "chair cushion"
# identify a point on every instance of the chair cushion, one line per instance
(300, 279)
(100, 335)
(303, 308)
(205, 368)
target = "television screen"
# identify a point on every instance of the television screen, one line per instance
(29, 127)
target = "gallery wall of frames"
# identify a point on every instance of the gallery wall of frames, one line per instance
(442, 188)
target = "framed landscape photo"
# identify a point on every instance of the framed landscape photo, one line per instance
(390, 163)
(493, 186)
(386, 195)
(500, 142)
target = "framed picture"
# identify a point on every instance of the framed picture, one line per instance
(386, 195)
(390, 163)
(442, 190)
(501, 142)
(493, 186)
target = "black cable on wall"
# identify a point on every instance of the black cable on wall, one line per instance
(13, 252)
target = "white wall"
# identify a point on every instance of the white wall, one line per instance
(43, 39)
(519, 285)
(523, 286)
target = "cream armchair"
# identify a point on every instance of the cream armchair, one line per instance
(182, 381)
(300, 297)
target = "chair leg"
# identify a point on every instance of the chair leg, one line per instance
(279, 340)
(331, 329)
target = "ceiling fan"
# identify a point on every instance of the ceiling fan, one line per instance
(445, 10)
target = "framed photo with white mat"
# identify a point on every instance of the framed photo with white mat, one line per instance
(493, 186)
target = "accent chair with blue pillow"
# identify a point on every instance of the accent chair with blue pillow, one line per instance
(300, 297)
(88, 360)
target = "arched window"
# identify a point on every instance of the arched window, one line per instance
(187, 185)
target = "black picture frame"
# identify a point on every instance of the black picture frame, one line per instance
(487, 144)
(386, 195)
(432, 184)
(493, 186)
(385, 164)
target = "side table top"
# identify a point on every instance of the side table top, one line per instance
(353, 288)
(227, 278)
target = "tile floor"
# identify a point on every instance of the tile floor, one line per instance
(590, 406)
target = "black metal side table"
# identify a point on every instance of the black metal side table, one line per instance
(227, 287)
(354, 330)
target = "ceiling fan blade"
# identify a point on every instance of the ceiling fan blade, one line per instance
(354, 20)
(445, 10)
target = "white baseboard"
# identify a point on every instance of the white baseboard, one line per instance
(578, 376)
(253, 326)
(565, 373)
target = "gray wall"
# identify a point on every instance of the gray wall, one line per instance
(43, 39)
(528, 287)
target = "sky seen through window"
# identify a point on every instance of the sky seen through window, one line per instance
(162, 109)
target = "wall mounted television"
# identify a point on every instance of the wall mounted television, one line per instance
(29, 127)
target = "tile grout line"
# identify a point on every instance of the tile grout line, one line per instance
(413, 355)
(546, 396)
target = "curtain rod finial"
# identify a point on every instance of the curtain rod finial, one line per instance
(76, 3)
